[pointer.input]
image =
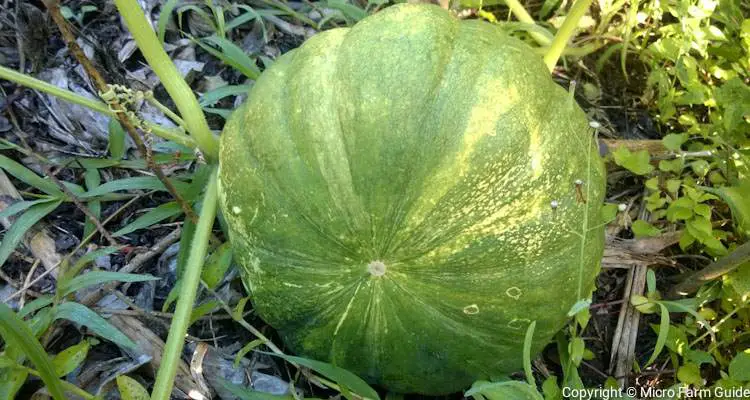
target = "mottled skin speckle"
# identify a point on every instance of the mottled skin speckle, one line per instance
(436, 148)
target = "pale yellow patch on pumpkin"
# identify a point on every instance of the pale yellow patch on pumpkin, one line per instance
(535, 155)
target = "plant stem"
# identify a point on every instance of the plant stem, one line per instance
(565, 33)
(520, 12)
(188, 288)
(120, 111)
(170, 77)
(30, 82)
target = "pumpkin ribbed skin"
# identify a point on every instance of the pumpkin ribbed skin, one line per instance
(388, 193)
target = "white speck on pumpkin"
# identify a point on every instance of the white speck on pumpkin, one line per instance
(471, 309)
(236, 210)
(518, 323)
(376, 268)
(514, 292)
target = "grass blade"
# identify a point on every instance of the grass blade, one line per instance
(83, 315)
(134, 183)
(334, 373)
(16, 333)
(158, 214)
(230, 54)
(87, 258)
(213, 96)
(29, 177)
(14, 235)
(35, 305)
(93, 180)
(16, 208)
(164, 15)
(663, 332)
(97, 277)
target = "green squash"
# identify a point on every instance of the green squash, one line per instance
(405, 196)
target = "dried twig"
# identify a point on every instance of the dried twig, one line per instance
(101, 85)
(626, 333)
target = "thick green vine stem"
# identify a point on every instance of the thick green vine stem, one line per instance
(188, 288)
(565, 33)
(170, 77)
(175, 135)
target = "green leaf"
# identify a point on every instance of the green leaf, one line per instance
(97, 277)
(82, 315)
(202, 310)
(576, 348)
(609, 212)
(674, 141)
(675, 165)
(637, 163)
(217, 265)
(734, 96)
(680, 209)
(700, 228)
(16, 333)
(69, 359)
(29, 177)
(14, 235)
(673, 185)
(737, 199)
(117, 135)
(507, 390)
(551, 389)
(739, 367)
(661, 340)
(152, 217)
(700, 167)
(642, 228)
(699, 357)
(739, 280)
(130, 389)
(690, 374)
(334, 373)
(579, 306)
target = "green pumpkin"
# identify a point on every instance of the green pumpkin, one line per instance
(405, 196)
